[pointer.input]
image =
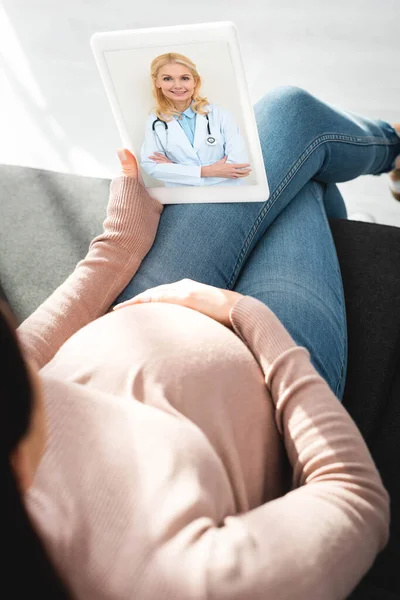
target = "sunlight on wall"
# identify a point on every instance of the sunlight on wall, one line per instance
(30, 134)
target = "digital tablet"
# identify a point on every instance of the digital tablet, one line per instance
(181, 103)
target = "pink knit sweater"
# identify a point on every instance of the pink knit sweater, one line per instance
(166, 472)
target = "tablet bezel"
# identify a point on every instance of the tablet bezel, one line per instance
(225, 31)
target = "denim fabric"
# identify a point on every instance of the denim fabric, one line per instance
(281, 251)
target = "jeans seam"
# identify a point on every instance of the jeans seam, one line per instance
(328, 137)
(341, 304)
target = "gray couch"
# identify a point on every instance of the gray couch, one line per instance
(48, 219)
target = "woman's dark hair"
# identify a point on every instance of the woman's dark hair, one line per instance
(28, 569)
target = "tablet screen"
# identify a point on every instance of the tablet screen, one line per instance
(182, 107)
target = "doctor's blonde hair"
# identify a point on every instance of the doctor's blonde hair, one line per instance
(164, 109)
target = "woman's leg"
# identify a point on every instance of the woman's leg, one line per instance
(334, 205)
(301, 138)
(295, 271)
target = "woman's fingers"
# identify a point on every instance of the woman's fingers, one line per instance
(209, 300)
(148, 295)
(128, 162)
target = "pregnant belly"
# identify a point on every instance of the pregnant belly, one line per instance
(180, 361)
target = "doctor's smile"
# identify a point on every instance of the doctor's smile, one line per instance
(190, 140)
(175, 80)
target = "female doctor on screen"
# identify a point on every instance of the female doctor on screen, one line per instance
(189, 141)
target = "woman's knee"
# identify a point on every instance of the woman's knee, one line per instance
(282, 104)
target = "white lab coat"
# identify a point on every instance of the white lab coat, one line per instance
(188, 159)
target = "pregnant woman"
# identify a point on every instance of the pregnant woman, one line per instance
(193, 448)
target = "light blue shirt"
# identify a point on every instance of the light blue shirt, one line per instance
(188, 123)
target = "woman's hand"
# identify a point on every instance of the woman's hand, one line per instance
(128, 162)
(228, 170)
(160, 158)
(207, 299)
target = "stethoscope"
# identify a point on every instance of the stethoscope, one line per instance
(210, 140)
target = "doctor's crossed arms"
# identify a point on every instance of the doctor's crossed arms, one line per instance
(167, 153)
(221, 168)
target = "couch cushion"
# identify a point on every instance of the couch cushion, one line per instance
(47, 221)
(369, 257)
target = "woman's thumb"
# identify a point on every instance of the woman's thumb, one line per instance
(128, 162)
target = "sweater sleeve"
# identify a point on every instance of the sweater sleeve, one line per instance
(113, 258)
(318, 540)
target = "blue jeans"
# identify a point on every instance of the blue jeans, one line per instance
(281, 251)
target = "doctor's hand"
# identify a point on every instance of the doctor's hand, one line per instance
(207, 299)
(160, 158)
(223, 169)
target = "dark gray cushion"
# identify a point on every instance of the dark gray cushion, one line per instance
(369, 257)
